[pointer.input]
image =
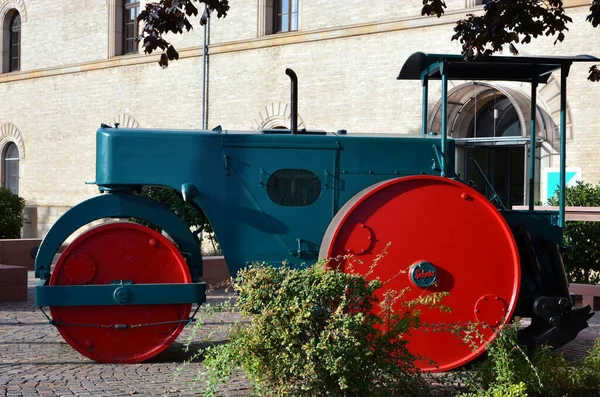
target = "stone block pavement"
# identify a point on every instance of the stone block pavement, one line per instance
(36, 361)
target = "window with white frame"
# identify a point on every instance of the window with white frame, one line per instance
(123, 27)
(285, 18)
(131, 10)
(278, 16)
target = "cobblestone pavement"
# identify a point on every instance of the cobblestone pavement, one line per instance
(36, 361)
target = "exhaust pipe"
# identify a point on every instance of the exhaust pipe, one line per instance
(294, 100)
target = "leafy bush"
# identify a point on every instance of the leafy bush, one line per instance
(314, 332)
(319, 332)
(583, 263)
(509, 371)
(11, 214)
(190, 213)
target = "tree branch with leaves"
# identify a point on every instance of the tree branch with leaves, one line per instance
(512, 22)
(173, 16)
(504, 22)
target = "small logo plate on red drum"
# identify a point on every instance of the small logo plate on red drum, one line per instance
(423, 274)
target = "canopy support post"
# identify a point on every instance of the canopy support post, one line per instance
(564, 72)
(534, 84)
(443, 71)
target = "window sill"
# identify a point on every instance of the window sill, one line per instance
(124, 56)
(281, 34)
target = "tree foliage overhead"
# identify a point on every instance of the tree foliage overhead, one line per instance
(504, 22)
(172, 16)
(512, 22)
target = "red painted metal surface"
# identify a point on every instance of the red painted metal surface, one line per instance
(449, 225)
(113, 252)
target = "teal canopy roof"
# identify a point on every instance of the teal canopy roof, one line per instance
(512, 68)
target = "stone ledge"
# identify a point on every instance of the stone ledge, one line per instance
(17, 252)
(214, 270)
(588, 293)
(13, 283)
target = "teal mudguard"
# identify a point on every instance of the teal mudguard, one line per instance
(119, 205)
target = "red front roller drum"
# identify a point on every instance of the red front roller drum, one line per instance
(113, 252)
(443, 236)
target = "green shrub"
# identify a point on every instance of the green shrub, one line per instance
(509, 371)
(11, 214)
(190, 213)
(583, 263)
(314, 332)
(321, 332)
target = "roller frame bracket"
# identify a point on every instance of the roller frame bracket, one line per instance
(119, 294)
(118, 205)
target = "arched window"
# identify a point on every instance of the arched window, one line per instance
(496, 119)
(10, 168)
(488, 124)
(14, 48)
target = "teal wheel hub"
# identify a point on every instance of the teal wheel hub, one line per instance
(423, 274)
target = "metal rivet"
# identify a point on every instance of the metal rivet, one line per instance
(152, 242)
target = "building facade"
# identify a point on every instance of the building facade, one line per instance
(67, 67)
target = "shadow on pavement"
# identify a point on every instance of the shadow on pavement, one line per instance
(178, 353)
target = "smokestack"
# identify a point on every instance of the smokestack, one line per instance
(294, 100)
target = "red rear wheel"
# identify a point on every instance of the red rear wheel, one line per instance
(444, 236)
(110, 253)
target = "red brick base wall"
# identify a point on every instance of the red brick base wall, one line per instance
(17, 252)
(214, 271)
(13, 283)
(589, 293)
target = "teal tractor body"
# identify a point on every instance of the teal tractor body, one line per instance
(279, 196)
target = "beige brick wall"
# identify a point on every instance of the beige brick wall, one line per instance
(47, 215)
(322, 14)
(582, 148)
(240, 24)
(58, 118)
(63, 32)
(243, 19)
(347, 83)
